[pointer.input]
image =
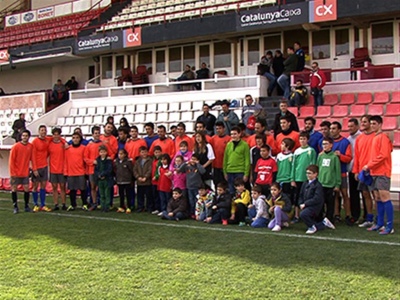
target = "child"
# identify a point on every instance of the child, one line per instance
(257, 211)
(142, 172)
(183, 151)
(103, 176)
(177, 206)
(124, 179)
(255, 155)
(265, 169)
(204, 200)
(164, 186)
(193, 170)
(329, 175)
(154, 179)
(240, 203)
(178, 179)
(221, 206)
(302, 158)
(285, 165)
(75, 169)
(280, 206)
(311, 202)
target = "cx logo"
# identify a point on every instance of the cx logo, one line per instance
(132, 37)
(4, 55)
(323, 10)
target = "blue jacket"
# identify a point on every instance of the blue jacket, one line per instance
(312, 195)
(103, 170)
(314, 141)
(343, 145)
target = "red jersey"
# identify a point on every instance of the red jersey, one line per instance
(40, 152)
(74, 161)
(133, 146)
(164, 183)
(186, 138)
(265, 169)
(90, 154)
(56, 156)
(20, 157)
(153, 171)
(167, 147)
(380, 162)
(219, 144)
(294, 135)
(362, 151)
(111, 143)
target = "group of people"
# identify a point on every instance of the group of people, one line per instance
(264, 179)
(60, 90)
(190, 74)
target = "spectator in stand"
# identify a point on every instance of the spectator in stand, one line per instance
(59, 93)
(301, 61)
(71, 84)
(317, 82)
(228, 116)
(219, 142)
(283, 106)
(182, 136)
(18, 127)
(202, 73)
(208, 119)
(264, 69)
(278, 67)
(187, 74)
(315, 136)
(249, 109)
(151, 135)
(110, 120)
(298, 96)
(287, 132)
(2, 93)
(290, 64)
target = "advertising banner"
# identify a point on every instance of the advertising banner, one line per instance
(99, 42)
(132, 37)
(45, 13)
(28, 17)
(323, 10)
(4, 56)
(13, 20)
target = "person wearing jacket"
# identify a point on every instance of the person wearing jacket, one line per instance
(228, 117)
(103, 176)
(177, 207)
(311, 202)
(257, 211)
(317, 82)
(280, 206)
(290, 65)
(124, 178)
(220, 207)
(142, 172)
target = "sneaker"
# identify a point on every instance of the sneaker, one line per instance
(56, 208)
(64, 207)
(311, 230)
(45, 209)
(285, 224)
(386, 231)
(177, 219)
(140, 210)
(99, 206)
(70, 208)
(128, 211)
(36, 208)
(159, 214)
(111, 208)
(120, 210)
(155, 212)
(16, 210)
(85, 208)
(276, 228)
(93, 207)
(27, 209)
(366, 224)
(349, 221)
(224, 222)
(295, 220)
(241, 224)
(376, 228)
(338, 219)
(328, 223)
(248, 220)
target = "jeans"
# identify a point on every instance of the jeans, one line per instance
(192, 193)
(318, 97)
(259, 222)
(284, 83)
(272, 82)
(231, 179)
(178, 216)
(164, 198)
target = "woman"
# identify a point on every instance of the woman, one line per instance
(206, 156)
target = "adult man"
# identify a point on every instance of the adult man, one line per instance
(59, 93)
(317, 82)
(109, 141)
(187, 74)
(167, 145)
(219, 142)
(71, 84)
(182, 136)
(227, 116)
(201, 128)
(20, 158)
(355, 208)
(287, 132)
(151, 135)
(203, 73)
(248, 110)
(40, 170)
(342, 148)
(261, 128)
(301, 61)
(123, 134)
(283, 107)
(362, 154)
(18, 127)
(325, 131)
(264, 68)
(290, 65)
(208, 119)
(236, 160)
(380, 167)
(298, 96)
(315, 136)
(173, 133)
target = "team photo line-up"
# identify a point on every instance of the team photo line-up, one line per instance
(262, 178)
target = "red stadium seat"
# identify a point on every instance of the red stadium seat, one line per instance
(331, 99)
(6, 184)
(381, 97)
(346, 99)
(310, 101)
(375, 109)
(293, 110)
(324, 111)
(345, 124)
(396, 139)
(396, 97)
(364, 98)
(393, 109)
(389, 123)
(340, 111)
(306, 111)
(1, 183)
(300, 122)
(357, 110)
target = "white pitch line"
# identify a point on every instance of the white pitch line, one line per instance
(180, 225)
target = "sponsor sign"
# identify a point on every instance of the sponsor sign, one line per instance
(323, 10)
(132, 37)
(276, 16)
(45, 13)
(4, 56)
(99, 42)
(28, 17)
(13, 20)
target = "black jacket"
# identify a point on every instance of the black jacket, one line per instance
(312, 195)
(293, 122)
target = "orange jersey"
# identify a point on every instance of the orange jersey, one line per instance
(111, 143)
(219, 144)
(133, 146)
(208, 139)
(186, 138)
(56, 157)
(167, 147)
(294, 135)
(380, 162)
(269, 140)
(20, 157)
(74, 161)
(40, 152)
(90, 154)
(362, 151)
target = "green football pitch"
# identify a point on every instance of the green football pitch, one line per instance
(82, 255)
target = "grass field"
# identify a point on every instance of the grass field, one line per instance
(81, 255)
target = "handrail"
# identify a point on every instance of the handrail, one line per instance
(92, 79)
(87, 12)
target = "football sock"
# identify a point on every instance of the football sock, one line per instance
(42, 197)
(389, 213)
(381, 213)
(14, 198)
(72, 196)
(35, 198)
(26, 198)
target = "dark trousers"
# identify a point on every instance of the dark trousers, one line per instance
(329, 203)
(355, 206)
(218, 176)
(156, 198)
(220, 214)
(288, 190)
(72, 196)
(311, 217)
(125, 190)
(297, 193)
(144, 196)
(240, 214)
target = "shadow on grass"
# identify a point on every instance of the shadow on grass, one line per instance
(265, 249)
